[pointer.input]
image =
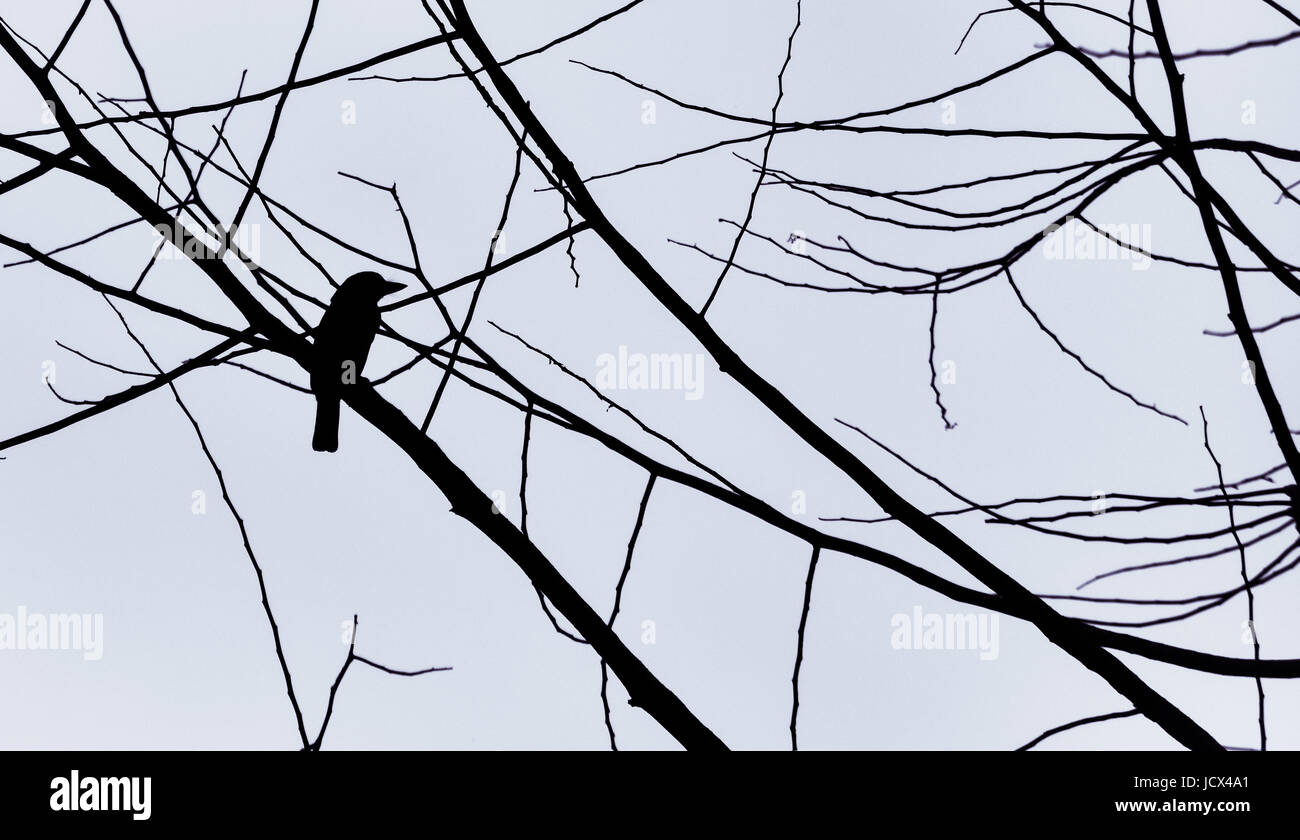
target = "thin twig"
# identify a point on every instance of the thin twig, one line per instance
(618, 602)
(798, 655)
(1245, 579)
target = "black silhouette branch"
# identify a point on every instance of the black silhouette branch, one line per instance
(352, 656)
(1245, 580)
(1061, 630)
(618, 603)
(467, 500)
(1070, 189)
(1075, 724)
(762, 169)
(798, 655)
(234, 512)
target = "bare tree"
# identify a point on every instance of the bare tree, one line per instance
(102, 141)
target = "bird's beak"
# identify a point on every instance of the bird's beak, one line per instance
(389, 287)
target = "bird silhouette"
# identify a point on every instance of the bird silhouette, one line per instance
(343, 339)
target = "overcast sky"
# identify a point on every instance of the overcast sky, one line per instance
(99, 519)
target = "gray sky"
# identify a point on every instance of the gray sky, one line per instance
(97, 519)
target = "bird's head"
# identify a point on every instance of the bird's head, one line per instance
(367, 287)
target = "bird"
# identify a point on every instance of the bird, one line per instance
(342, 343)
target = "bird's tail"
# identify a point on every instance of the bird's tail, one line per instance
(326, 436)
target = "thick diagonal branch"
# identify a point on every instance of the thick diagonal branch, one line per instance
(1062, 631)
